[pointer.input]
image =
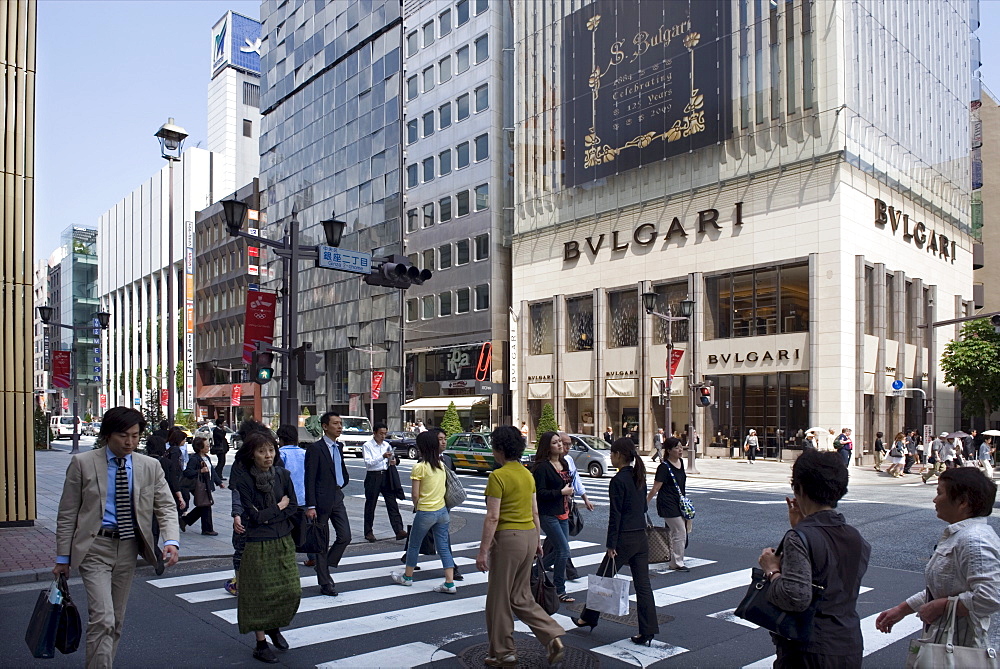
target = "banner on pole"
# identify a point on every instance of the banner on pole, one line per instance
(60, 369)
(377, 384)
(164, 397)
(103, 400)
(236, 396)
(675, 361)
(65, 404)
(258, 321)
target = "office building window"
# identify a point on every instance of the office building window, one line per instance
(482, 246)
(428, 124)
(412, 310)
(444, 209)
(482, 6)
(444, 115)
(580, 323)
(540, 333)
(444, 22)
(482, 49)
(463, 107)
(482, 296)
(463, 155)
(247, 128)
(462, 301)
(482, 147)
(428, 215)
(444, 256)
(462, 60)
(444, 162)
(412, 43)
(623, 318)
(461, 252)
(412, 220)
(758, 302)
(444, 300)
(444, 69)
(412, 176)
(428, 78)
(411, 131)
(414, 259)
(412, 87)
(428, 258)
(428, 306)
(482, 197)
(462, 8)
(462, 203)
(428, 169)
(670, 294)
(428, 31)
(482, 97)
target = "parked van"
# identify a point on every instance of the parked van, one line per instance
(62, 426)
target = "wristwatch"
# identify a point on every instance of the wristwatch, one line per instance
(769, 575)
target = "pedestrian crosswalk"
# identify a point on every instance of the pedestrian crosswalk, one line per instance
(344, 631)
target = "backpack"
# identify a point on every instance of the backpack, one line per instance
(837, 445)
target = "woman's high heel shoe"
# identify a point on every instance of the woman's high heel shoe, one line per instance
(579, 622)
(643, 639)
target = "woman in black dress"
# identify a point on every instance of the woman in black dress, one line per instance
(670, 484)
(626, 541)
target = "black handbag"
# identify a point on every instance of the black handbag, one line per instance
(426, 546)
(43, 626)
(575, 520)
(69, 633)
(757, 608)
(542, 588)
(309, 537)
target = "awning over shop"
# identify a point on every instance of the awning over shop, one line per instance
(539, 391)
(441, 403)
(579, 389)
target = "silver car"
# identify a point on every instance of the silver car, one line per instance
(591, 454)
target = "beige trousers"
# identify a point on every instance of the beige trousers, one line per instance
(509, 592)
(107, 572)
(678, 537)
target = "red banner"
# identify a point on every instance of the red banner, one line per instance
(103, 400)
(675, 360)
(65, 404)
(236, 396)
(164, 398)
(377, 384)
(60, 369)
(258, 321)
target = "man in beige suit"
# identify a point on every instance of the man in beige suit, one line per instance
(105, 519)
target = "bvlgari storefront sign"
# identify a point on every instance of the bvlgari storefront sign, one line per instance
(643, 81)
(753, 357)
(914, 232)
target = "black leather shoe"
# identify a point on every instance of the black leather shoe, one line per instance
(278, 640)
(370, 537)
(265, 655)
(329, 590)
(457, 576)
(159, 566)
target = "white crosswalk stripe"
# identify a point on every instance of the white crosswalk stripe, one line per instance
(330, 620)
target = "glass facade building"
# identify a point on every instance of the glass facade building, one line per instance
(331, 137)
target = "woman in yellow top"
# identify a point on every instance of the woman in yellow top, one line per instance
(509, 545)
(430, 514)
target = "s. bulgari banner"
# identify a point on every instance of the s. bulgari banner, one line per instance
(643, 80)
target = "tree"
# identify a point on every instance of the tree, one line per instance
(41, 429)
(450, 423)
(152, 411)
(971, 365)
(547, 421)
(185, 419)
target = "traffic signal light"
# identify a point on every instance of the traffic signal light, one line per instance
(262, 366)
(307, 365)
(705, 398)
(396, 272)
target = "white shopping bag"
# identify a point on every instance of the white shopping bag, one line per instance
(608, 594)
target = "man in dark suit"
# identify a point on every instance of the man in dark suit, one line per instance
(326, 476)
(609, 436)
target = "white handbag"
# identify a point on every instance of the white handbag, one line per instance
(608, 594)
(942, 653)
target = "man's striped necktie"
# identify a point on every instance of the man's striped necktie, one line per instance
(123, 502)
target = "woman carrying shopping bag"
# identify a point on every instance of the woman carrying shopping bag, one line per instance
(199, 469)
(626, 542)
(669, 487)
(750, 446)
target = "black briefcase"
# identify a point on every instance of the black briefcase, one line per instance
(44, 623)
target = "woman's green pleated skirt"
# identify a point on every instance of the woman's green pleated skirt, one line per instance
(268, 586)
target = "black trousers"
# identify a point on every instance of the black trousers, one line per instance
(907, 463)
(331, 558)
(789, 656)
(373, 488)
(222, 464)
(633, 550)
(203, 512)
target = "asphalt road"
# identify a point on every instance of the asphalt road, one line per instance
(186, 618)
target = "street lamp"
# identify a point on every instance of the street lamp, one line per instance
(171, 145)
(352, 341)
(685, 309)
(334, 231)
(103, 319)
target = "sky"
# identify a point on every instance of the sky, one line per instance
(145, 61)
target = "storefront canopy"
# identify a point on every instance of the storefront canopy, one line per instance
(441, 403)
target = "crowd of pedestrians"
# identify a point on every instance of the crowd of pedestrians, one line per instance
(279, 487)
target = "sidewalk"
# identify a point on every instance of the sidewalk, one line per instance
(28, 553)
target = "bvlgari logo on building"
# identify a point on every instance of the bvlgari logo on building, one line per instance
(752, 356)
(621, 373)
(916, 233)
(647, 233)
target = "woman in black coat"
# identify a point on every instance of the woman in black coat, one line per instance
(626, 541)
(554, 490)
(170, 462)
(199, 469)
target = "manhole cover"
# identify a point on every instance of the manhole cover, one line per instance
(530, 654)
(632, 619)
